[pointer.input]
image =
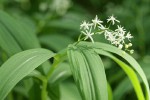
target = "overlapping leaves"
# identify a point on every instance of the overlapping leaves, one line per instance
(19, 66)
(88, 72)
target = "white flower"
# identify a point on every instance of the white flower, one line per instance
(120, 46)
(88, 34)
(107, 34)
(131, 51)
(116, 37)
(121, 37)
(112, 19)
(120, 29)
(126, 46)
(129, 36)
(84, 25)
(101, 27)
(130, 44)
(96, 21)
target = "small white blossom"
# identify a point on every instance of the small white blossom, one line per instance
(128, 36)
(131, 51)
(96, 21)
(121, 37)
(130, 44)
(88, 34)
(84, 25)
(112, 19)
(120, 29)
(126, 46)
(120, 46)
(107, 33)
(116, 37)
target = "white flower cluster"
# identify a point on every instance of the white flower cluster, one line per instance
(116, 37)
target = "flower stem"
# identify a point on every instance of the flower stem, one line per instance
(79, 40)
(61, 56)
(44, 90)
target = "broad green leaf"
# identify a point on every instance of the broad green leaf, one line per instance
(19, 66)
(126, 56)
(7, 42)
(88, 72)
(19, 31)
(129, 71)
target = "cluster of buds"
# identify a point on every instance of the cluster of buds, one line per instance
(116, 37)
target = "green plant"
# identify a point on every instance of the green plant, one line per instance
(82, 60)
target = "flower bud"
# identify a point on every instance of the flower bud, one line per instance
(131, 51)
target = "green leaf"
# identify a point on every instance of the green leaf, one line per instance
(69, 91)
(7, 42)
(126, 56)
(110, 93)
(19, 66)
(61, 73)
(21, 33)
(129, 71)
(120, 90)
(88, 72)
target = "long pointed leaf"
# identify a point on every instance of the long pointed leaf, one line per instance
(19, 31)
(129, 71)
(126, 56)
(7, 42)
(88, 72)
(19, 66)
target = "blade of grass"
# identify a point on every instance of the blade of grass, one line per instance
(129, 71)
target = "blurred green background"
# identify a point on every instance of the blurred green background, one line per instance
(57, 24)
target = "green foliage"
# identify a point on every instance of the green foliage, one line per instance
(21, 65)
(30, 31)
(89, 74)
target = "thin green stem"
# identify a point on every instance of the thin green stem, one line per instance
(79, 37)
(10, 96)
(52, 69)
(44, 86)
(79, 41)
(44, 90)
(61, 56)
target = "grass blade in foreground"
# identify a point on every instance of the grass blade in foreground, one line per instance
(88, 72)
(19, 66)
(129, 71)
(126, 56)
